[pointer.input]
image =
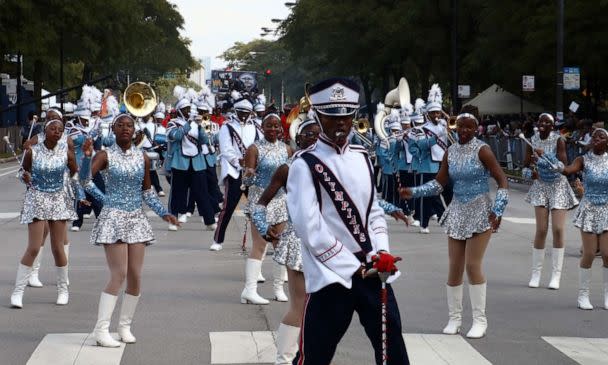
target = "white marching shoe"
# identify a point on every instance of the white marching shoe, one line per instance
(287, 344)
(277, 283)
(23, 276)
(34, 280)
(63, 294)
(250, 292)
(183, 218)
(172, 228)
(557, 257)
(425, 230)
(215, 247)
(210, 227)
(454, 294)
(538, 256)
(127, 310)
(478, 306)
(605, 269)
(584, 282)
(107, 302)
(75, 229)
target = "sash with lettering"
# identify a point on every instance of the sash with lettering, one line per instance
(346, 208)
(439, 149)
(235, 137)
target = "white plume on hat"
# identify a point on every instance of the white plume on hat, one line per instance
(394, 115)
(419, 106)
(179, 92)
(161, 108)
(235, 95)
(206, 98)
(435, 94)
(191, 94)
(380, 107)
(112, 105)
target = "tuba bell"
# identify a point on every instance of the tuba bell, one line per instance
(396, 98)
(140, 99)
(298, 114)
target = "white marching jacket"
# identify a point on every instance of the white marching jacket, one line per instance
(327, 245)
(229, 151)
(440, 130)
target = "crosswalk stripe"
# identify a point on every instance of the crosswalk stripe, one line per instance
(254, 347)
(519, 220)
(257, 347)
(585, 351)
(9, 215)
(441, 350)
(74, 349)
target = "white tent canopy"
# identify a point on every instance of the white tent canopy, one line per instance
(496, 100)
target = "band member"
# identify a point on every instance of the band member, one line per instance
(550, 194)
(468, 220)
(47, 201)
(259, 108)
(122, 227)
(592, 214)
(337, 217)
(187, 162)
(407, 177)
(387, 160)
(261, 161)
(235, 136)
(152, 142)
(426, 157)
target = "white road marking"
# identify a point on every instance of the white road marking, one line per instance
(14, 171)
(259, 347)
(74, 349)
(9, 215)
(7, 168)
(585, 351)
(253, 347)
(441, 350)
(519, 220)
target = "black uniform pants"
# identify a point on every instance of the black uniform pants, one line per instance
(232, 196)
(327, 316)
(95, 207)
(155, 181)
(184, 182)
(407, 179)
(426, 207)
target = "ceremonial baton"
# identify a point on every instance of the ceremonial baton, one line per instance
(12, 148)
(384, 275)
(523, 138)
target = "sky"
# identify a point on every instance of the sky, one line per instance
(215, 25)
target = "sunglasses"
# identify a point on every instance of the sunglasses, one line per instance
(309, 134)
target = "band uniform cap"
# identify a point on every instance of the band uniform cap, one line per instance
(335, 97)
(160, 115)
(243, 105)
(182, 103)
(259, 107)
(433, 106)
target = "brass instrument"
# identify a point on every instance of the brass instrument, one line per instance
(362, 126)
(398, 97)
(140, 99)
(298, 114)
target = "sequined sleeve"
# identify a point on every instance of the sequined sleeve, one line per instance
(388, 207)
(151, 199)
(77, 188)
(526, 173)
(85, 170)
(501, 201)
(258, 217)
(431, 188)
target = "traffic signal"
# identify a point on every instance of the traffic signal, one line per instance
(268, 72)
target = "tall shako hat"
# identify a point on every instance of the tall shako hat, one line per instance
(435, 99)
(260, 103)
(184, 96)
(335, 97)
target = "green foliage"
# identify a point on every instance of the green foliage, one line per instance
(98, 37)
(163, 87)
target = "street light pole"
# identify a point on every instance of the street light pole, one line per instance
(455, 99)
(559, 82)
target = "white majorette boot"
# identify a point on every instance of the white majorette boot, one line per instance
(66, 249)
(538, 256)
(557, 257)
(261, 278)
(23, 276)
(127, 310)
(107, 302)
(34, 280)
(287, 344)
(250, 292)
(454, 294)
(63, 294)
(478, 307)
(277, 282)
(605, 287)
(584, 282)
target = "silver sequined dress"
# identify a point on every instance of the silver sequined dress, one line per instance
(122, 217)
(270, 157)
(592, 213)
(471, 205)
(48, 197)
(289, 250)
(551, 190)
